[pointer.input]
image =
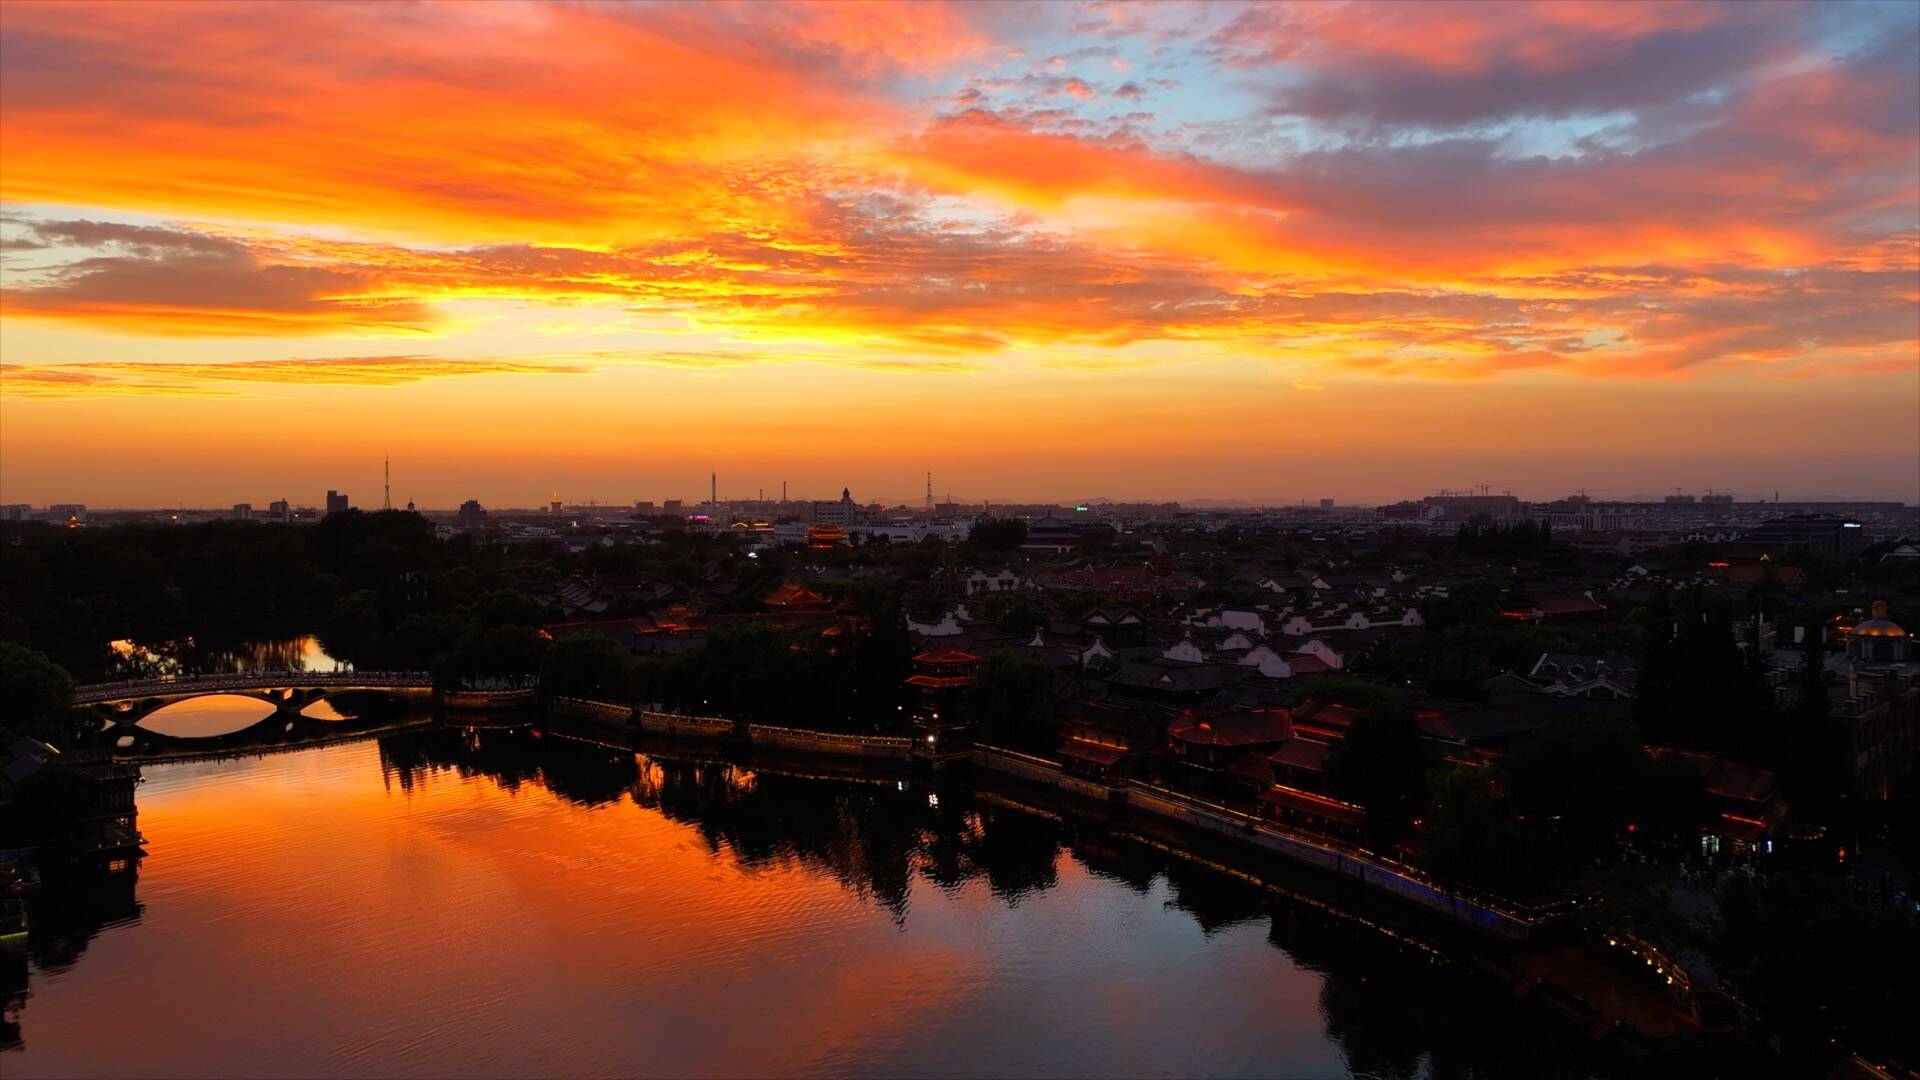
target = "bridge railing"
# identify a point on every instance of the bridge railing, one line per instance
(249, 680)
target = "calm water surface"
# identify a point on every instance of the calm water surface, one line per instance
(224, 714)
(497, 904)
(138, 660)
(203, 717)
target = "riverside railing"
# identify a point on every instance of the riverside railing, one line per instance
(594, 707)
(1337, 856)
(249, 680)
(1366, 858)
(828, 741)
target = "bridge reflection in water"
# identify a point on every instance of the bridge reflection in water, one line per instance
(224, 711)
(446, 900)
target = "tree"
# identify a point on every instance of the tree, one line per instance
(1654, 693)
(590, 665)
(1697, 689)
(412, 645)
(1465, 602)
(1580, 786)
(1012, 614)
(48, 807)
(1482, 536)
(39, 697)
(1011, 702)
(1345, 690)
(745, 673)
(1382, 765)
(1828, 972)
(881, 657)
(491, 657)
(997, 534)
(1469, 835)
(1561, 798)
(352, 623)
(509, 607)
(1813, 769)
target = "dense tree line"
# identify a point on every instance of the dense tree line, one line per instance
(1561, 799)
(381, 592)
(997, 534)
(355, 575)
(67, 592)
(38, 698)
(751, 671)
(1701, 689)
(1698, 688)
(1827, 970)
(1382, 764)
(1483, 537)
(1011, 703)
(1468, 639)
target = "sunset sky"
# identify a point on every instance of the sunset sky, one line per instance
(1049, 251)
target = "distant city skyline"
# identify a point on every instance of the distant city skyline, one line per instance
(368, 496)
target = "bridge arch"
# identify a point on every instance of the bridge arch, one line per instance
(122, 706)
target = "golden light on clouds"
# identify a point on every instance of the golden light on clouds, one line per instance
(824, 215)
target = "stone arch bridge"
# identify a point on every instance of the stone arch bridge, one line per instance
(125, 704)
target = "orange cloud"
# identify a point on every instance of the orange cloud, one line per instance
(119, 378)
(464, 122)
(756, 173)
(154, 379)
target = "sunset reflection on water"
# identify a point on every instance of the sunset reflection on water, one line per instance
(490, 904)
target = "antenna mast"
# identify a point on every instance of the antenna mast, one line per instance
(386, 486)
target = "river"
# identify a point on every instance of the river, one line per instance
(439, 902)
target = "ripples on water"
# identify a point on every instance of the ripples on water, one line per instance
(436, 903)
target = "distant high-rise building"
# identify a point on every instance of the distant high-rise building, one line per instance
(280, 510)
(1824, 535)
(1326, 504)
(1458, 506)
(243, 511)
(672, 506)
(68, 511)
(843, 512)
(643, 506)
(472, 513)
(15, 511)
(336, 501)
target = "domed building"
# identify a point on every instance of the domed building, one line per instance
(1879, 640)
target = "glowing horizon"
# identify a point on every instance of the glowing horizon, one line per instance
(1050, 251)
